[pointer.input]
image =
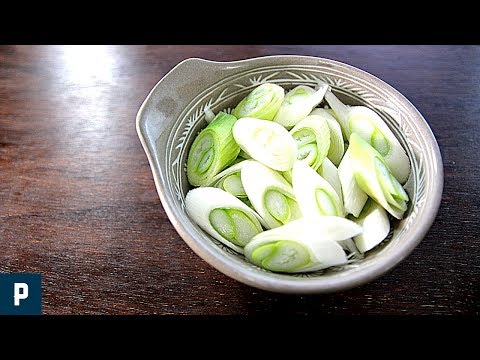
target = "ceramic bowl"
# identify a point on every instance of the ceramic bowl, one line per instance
(173, 114)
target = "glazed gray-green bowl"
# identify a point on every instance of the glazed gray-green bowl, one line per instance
(173, 113)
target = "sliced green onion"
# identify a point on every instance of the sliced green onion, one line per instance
(354, 198)
(312, 136)
(233, 185)
(340, 110)
(374, 177)
(337, 145)
(306, 244)
(230, 181)
(223, 224)
(376, 226)
(314, 194)
(223, 216)
(276, 204)
(329, 172)
(371, 127)
(254, 174)
(298, 103)
(267, 142)
(281, 256)
(349, 246)
(262, 102)
(392, 188)
(213, 149)
(270, 194)
(209, 114)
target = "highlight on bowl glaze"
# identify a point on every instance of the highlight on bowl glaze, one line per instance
(173, 114)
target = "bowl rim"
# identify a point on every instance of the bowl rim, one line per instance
(309, 285)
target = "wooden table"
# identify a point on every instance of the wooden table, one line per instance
(78, 203)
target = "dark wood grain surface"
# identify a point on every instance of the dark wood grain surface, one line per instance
(78, 202)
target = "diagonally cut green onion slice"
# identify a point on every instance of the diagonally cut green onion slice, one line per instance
(303, 245)
(230, 180)
(298, 103)
(354, 198)
(282, 256)
(270, 194)
(373, 176)
(312, 136)
(337, 145)
(371, 127)
(267, 142)
(314, 194)
(262, 102)
(376, 226)
(213, 149)
(329, 172)
(223, 216)
(209, 114)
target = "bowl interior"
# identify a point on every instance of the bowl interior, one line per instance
(168, 155)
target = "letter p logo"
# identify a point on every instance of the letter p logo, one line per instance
(20, 292)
